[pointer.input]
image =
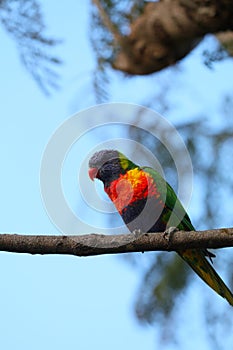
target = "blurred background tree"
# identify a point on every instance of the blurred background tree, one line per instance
(157, 39)
(23, 20)
(142, 38)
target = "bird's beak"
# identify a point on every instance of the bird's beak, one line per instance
(92, 173)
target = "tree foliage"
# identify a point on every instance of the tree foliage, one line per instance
(138, 37)
(23, 20)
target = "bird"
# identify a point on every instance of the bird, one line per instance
(146, 202)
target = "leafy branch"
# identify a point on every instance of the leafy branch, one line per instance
(24, 21)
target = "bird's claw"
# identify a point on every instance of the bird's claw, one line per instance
(137, 233)
(168, 233)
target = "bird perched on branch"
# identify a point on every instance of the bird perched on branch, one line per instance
(147, 202)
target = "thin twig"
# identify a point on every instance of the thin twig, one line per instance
(107, 22)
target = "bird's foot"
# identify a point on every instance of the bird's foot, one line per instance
(169, 232)
(137, 233)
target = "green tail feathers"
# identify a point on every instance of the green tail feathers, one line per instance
(197, 261)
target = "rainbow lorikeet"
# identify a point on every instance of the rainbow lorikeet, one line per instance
(147, 202)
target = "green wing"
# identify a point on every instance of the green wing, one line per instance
(195, 258)
(171, 201)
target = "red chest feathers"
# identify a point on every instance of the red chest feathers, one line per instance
(131, 187)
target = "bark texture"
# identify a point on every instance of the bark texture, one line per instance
(97, 244)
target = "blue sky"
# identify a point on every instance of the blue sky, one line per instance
(54, 301)
(62, 301)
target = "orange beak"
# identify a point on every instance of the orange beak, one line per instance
(92, 173)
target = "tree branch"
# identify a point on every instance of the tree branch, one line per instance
(168, 30)
(97, 244)
(226, 39)
(107, 22)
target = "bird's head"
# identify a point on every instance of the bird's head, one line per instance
(108, 165)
